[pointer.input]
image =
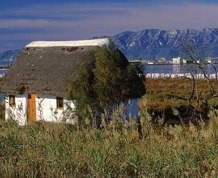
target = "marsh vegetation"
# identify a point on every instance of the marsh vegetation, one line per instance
(115, 150)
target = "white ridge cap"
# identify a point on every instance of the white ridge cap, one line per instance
(94, 42)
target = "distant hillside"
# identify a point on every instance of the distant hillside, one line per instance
(154, 43)
(8, 57)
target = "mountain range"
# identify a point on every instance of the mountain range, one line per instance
(152, 44)
(156, 43)
(8, 57)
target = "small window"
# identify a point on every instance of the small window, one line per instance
(60, 103)
(11, 100)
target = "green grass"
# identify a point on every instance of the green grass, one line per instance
(59, 150)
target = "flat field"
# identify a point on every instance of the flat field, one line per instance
(169, 92)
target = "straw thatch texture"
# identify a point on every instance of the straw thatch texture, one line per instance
(46, 71)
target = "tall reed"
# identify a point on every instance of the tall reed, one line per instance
(115, 150)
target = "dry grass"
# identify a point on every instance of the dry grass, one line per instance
(169, 92)
(59, 150)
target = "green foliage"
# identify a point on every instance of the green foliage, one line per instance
(2, 111)
(111, 80)
(134, 82)
(82, 91)
(114, 77)
(108, 76)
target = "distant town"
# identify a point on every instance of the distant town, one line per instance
(176, 61)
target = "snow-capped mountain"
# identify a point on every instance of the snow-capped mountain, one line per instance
(154, 43)
(8, 57)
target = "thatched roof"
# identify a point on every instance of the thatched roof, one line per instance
(46, 70)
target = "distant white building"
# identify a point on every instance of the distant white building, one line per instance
(150, 62)
(209, 60)
(177, 60)
(184, 61)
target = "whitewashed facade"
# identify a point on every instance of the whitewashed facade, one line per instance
(45, 109)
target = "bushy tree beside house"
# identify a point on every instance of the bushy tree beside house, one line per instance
(111, 80)
(81, 90)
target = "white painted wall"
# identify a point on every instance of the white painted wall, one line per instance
(17, 112)
(46, 109)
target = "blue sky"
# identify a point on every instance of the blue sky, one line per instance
(22, 21)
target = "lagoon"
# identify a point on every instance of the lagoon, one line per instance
(178, 69)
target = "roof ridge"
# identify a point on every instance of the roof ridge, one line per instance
(94, 42)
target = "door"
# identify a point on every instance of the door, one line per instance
(32, 108)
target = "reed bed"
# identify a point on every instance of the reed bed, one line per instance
(118, 149)
(60, 150)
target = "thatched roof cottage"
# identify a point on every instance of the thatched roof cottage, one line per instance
(37, 84)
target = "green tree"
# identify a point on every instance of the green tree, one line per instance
(110, 81)
(109, 76)
(81, 91)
